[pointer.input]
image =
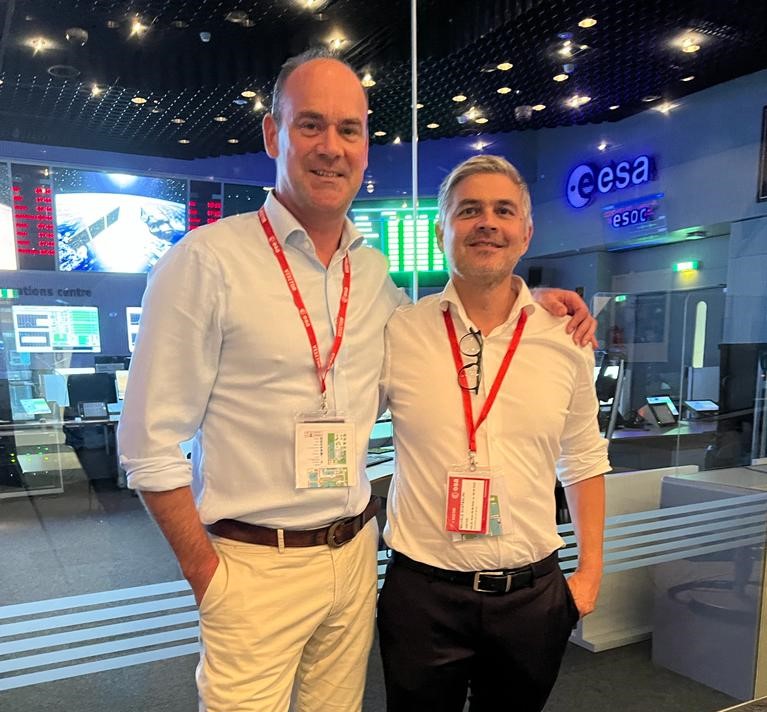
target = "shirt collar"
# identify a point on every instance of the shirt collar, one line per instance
(287, 227)
(524, 300)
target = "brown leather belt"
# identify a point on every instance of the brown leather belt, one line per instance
(334, 535)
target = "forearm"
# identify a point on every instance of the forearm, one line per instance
(178, 519)
(586, 502)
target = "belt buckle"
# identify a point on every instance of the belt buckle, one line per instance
(498, 574)
(331, 537)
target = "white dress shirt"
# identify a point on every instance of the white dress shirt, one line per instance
(223, 356)
(542, 425)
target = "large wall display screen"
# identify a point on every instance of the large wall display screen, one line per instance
(204, 203)
(32, 205)
(45, 329)
(114, 222)
(7, 239)
(242, 198)
(388, 226)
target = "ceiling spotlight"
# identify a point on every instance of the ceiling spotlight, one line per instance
(397, 140)
(480, 145)
(459, 98)
(138, 100)
(560, 77)
(258, 105)
(481, 120)
(138, 28)
(370, 187)
(602, 146)
(236, 16)
(613, 107)
(232, 140)
(205, 36)
(432, 125)
(690, 45)
(370, 111)
(96, 90)
(504, 66)
(112, 24)
(239, 101)
(539, 107)
(650, 97)
(565, 50)
(178, 120)
(503, 90)
(665, 107)
(419, 106)
(38, 44)
(379, 133)
(587, 22)
(576, 101)
(248, 93)
(179, 24)
(183, 140)
(156, 110)
(336, 42)
(76, 36)
(220, 119)
(368, 81)
(688, 79)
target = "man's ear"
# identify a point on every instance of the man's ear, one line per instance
(528, 238)
(440, 236)
(271, 131)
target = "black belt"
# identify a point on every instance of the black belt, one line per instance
(334, 535)
(500, 581)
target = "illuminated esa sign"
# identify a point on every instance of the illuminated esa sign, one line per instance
(587, 179)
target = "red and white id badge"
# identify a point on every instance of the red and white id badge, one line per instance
(468, 500)
(326, 452)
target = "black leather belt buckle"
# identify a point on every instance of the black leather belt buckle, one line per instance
(492, 582)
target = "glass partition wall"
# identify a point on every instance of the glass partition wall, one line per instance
(94, 613)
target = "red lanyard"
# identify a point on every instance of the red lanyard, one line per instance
(471, 426)
(304, 314)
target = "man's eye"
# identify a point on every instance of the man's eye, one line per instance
(309, 126)
(506, 211)
(467, 212)
(351, 131)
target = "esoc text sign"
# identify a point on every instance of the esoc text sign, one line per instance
(587, 179)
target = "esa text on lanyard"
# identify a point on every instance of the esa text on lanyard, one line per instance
(325, 443)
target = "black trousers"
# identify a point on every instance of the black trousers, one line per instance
(440, 640)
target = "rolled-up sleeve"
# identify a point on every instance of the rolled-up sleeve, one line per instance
(173, 367)
(584, 450)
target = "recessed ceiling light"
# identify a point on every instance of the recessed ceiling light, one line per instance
(240, 101)
(397, 140)
(650, 97)
(183, 140)
(613, 107)
(504, 66)
(503, 90)
(220, 119)
(258, 105)
(577, 101)
(138, 28)
(95, 89)
(690, 44)
(560, 77)
(688, 79)
(370, 111)
(481, 145)
(336, 42)
(602, 146)
(690, 48)
(459, 98)
(232, 140)
(156, 110)
(112, 24)
(180, 24)
(178, 120)
(236, 16)
(38, 44)
(138, 100)
(432, 125)
(587, 22)
(248, 93)
(419, 106)
(539, 107)
(379, 133)
(481, 120)
(368, 81)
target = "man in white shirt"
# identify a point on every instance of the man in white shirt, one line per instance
(491, 401)
(262, 338)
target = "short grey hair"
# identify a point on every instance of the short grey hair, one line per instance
(294, 63)
(482, 164)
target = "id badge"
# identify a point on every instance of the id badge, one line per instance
(468, 500)
(326, 453)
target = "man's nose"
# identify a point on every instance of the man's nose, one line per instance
(330, 145)
(487, 220)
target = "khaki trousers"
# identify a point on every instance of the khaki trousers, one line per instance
(271, 620)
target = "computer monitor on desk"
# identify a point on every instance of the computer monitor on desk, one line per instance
(91, 388)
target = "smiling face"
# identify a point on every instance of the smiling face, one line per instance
(486, 231)
(321, 143)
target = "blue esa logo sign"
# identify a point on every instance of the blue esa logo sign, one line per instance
(587, 179)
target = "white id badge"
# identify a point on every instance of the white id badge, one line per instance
(326, 452)
(474, 503)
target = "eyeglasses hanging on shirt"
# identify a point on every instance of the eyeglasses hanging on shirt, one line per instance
(471, 346)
